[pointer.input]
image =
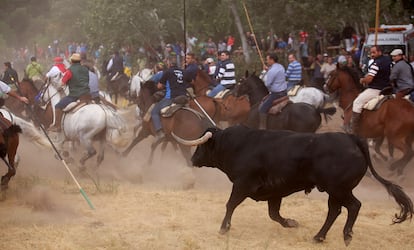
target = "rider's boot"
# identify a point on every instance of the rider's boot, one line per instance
(355, 122)
(57, 126)
(262, 121)
(159, 136)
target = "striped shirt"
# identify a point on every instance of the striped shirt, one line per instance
(380, 70)
(227, 73)
(294, 71)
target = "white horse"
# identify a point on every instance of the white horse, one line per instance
(141, 77)
(309, 95)
(89, 123)
(138, 79)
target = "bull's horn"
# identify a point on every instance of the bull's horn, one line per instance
(195, 142)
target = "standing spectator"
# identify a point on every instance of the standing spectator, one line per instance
(226, 74)
(34, 70)
(211, 47)
(169, 53)
(275, 83)
(10, 75)
(402, 75)
(230, 43)
(93, 80)
(328, 67)
(377, 79)
(303, 43)
(250, 40)
(222, 46)
(317, 76)
(293, 72)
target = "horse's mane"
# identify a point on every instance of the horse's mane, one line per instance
(30, 81)
(151, 86)
(203, 75)
(353, 73)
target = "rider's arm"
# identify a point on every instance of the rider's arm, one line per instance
(67, 76)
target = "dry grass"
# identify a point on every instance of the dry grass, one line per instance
(145, 207)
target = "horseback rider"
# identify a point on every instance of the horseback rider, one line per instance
(34, 70)
(57, 71)
(226, 74)
(5, 89)
(10, 75)
(402, 75)
(77, 79)
(275, 83)
(115, 67)
(377, 78)
(173, 82)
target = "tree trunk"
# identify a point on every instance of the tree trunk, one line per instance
(239, 26)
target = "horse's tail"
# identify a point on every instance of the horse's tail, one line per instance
(30, 131)
(115, 129)
(327, 112)
(114, 120)
(402, 199)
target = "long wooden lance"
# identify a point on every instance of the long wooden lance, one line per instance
(254, 36)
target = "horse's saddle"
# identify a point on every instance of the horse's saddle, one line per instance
(376, 102)
(278, 105)
(75, 106)
(178, 102)
(294, 91)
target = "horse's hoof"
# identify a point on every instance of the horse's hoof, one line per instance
(347, 239)
(290, 223)
(318, 239)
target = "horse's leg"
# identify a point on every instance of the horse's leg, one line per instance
(377, 147)
(404, 144)
(143, 133)
(90, 151)
(101, 152)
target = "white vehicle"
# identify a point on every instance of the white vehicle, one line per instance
(389, 37)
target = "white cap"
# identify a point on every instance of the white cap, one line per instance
(397, 52)
(209, 60)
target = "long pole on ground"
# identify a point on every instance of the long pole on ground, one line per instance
(254, 35)
(85, 196)
(377, 10)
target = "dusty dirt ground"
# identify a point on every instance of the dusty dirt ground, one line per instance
(138, 206)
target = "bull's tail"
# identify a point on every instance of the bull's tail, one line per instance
(402, 199)
(327, 112)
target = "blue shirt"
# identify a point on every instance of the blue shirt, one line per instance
(294, 71)
(275, 78)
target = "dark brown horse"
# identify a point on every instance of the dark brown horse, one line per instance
(9, 141)
(394, 120)
(185, 122)
(299, 117)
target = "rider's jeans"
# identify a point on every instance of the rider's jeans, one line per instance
(155, 113)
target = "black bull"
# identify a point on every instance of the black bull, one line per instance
(269, 165)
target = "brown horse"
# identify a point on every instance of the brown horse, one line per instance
(394, 120)
(9, 141)
(185, 122)
(230, 108)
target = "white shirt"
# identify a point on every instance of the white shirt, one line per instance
(53, 72)
(4, 88)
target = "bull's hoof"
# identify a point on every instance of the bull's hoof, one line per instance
(318, 239)
(290, 223)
